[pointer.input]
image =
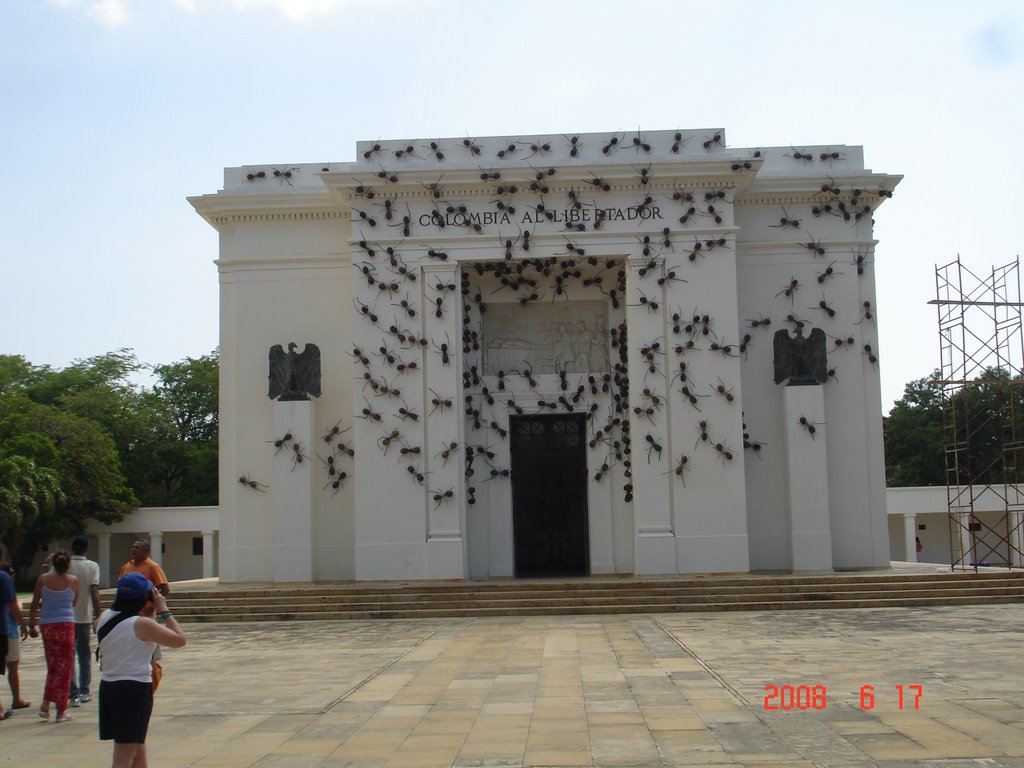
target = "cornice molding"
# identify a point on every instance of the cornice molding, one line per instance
(227, 208)
(341, 260)
(775, 188)
(767, 248)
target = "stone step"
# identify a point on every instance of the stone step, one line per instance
(577, 609)
(424, 600)
(599, 583)
(321, 597)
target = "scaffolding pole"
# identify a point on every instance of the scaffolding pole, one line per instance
(981, 348)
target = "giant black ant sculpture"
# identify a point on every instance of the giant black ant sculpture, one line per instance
(297, 455)
(652, 445)
(447, 449)
(440, 403)
(436, 150)
(787, 221)
(252, 483)
(442, 349)
(406, 413)
(443, 496)
(815, 247)
(680, 468)
(281, 442)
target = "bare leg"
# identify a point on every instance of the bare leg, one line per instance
(141, 760)
(124, 755)
(15, 683)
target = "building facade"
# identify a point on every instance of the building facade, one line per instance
(550, 355)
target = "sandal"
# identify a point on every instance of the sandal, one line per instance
(43, 713)
(7, 715)
(63, 718)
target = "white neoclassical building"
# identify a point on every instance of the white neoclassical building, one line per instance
(532, 355)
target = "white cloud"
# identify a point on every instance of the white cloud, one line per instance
(113, 13)
(297, 10)
(110, 13)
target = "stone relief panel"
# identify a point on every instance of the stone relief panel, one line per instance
(547, 338)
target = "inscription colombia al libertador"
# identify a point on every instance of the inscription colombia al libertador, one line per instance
(532, 216)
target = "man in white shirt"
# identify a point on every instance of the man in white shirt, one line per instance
(86, 610)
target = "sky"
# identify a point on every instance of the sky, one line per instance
(114, 111)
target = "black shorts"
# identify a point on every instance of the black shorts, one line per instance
(125, 707)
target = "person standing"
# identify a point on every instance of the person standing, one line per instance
(127, 640)
(86, 611)
(11, 609)
(141, 563)
(57, 592)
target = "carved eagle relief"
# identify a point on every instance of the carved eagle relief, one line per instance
(294, 375)
(800, 360)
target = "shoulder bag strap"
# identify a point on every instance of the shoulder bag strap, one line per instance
(105, 630)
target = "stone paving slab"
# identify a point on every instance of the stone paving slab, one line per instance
(628, 690)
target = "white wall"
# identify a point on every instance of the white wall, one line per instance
(286, 272)
(283, 280)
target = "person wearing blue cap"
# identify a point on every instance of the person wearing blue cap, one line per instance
(127, 640)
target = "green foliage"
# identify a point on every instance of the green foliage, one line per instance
(26, 491)
(978, 416)
(84, 442)
(914, 447)
(175, 461)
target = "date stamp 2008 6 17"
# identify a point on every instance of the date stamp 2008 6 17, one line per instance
(804, 697)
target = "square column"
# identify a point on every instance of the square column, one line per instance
(156, 545)
(807, 472)
(651, 468)
(103, 557)
(446, 553)
(293, 492)
(208, 553)
(910, 537)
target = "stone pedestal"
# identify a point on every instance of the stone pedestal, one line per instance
(807, 468)
(293, 492)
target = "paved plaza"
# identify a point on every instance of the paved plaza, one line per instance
(640, 690)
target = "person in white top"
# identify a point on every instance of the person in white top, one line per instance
(87, 610)
(127, 641)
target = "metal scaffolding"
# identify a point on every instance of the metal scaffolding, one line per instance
(982, 353)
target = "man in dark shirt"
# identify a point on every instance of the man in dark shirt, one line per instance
(9, 598)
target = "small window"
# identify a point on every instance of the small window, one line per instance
(197, 546)
(922, 527)
(975, 526)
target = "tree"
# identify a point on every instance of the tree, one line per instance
(15, 373)
(26, 491)
(78, 466)
(979, 412)
(914, 447)
(85, 442)
(175, 464)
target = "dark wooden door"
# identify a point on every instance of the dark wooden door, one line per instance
(549, 495)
